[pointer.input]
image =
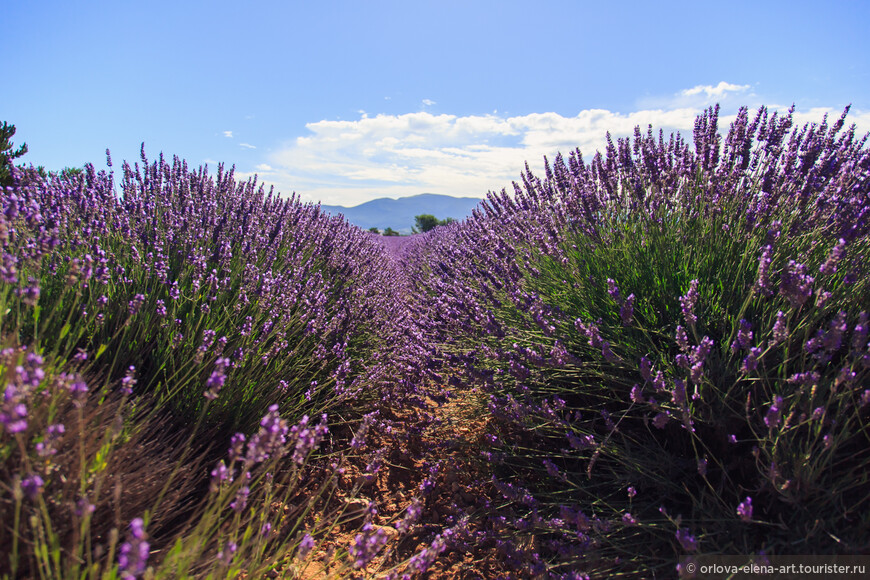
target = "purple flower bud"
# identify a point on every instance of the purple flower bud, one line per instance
(830, 265)
(682, 339)
(762, 283)
(679, 393)
(612, 289)
(687, 540)
(626, 311)
(689, 302)
(780, 330)
(796, 285)
(32, 485)
(225, 556)
(646, 369)
(744, 509)
(774, 413)
(637, 394)
(133, 554)
(128, 382)
(13, 413)
(306, 544)
(135, 304)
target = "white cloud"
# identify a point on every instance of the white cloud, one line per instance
(428, 102)
(247, 146)
(347, 162)
(715, 92)
(228, 134)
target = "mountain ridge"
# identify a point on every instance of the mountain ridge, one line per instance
(399, 213)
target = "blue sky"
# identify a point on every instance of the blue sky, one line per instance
(348, 101)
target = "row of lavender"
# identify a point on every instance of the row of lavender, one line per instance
(673, 344)
(150, 325)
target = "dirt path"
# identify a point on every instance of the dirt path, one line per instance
(440, 445)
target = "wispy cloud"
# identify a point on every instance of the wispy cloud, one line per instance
(428, 102)
(715, 92)
(228, 134)
(348, 162)
(247, 146)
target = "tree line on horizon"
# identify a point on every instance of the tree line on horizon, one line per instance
(423, 223)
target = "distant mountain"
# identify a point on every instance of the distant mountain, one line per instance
(399, 213)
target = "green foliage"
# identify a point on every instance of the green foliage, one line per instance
(390, 232)
(7, 152)
(785, 424)
(426, 222)
(374, 230)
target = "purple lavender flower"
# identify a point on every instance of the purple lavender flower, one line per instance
(367, 544)
(629, 519)
(660, 420)
(13, 414)
(796, 286)
(45, 448)
(133, 554)
(780, 330)
(830, 265)
(32, 485)
(128, 382)
(774, 413)
(689, 302)
(744, 509)
(762, 283)
(412, 515)
(682, 339)
(270, 439)
(626, 311)
(306, 544)
(744, 336)
(679, 393)
(217, 379)
(136, 304)
(636, 394)
(687, 540)
(612, 289)
(750, 363)
(646, 369)
(225, 556)
(308, 438)
(358, 441)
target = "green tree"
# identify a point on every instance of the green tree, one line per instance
(426, 222)
(7, 153)
(374, 230)
(390, 232)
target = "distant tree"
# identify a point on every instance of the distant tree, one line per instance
(390, 232)
(374, 230)
(7, 153)
(72, 172)
(426, 222)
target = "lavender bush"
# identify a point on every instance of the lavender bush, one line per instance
(145, 331)
(673, 346)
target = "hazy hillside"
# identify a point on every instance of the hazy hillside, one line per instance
(399, 213)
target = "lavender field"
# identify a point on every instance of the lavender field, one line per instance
(653, 353)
